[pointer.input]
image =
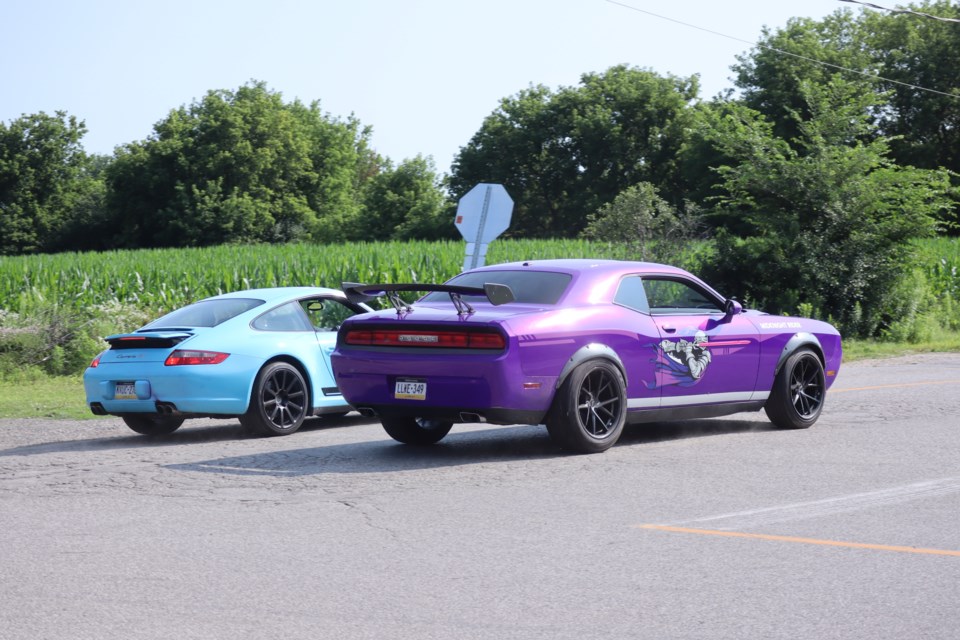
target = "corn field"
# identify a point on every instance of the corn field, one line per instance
(163, 279)
(159, 280)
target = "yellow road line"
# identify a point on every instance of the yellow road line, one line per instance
(828, 543)
(896, 386)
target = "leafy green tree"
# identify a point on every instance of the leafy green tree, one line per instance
(699, 155)
(407, 202)
(825, 222)
(907, 60)
(563, 155)
(86, 226)
(911, 52)
(770, 76)
(648, 225)
(42, 179)
(239, 166)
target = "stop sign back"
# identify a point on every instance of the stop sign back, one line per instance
(482, 215)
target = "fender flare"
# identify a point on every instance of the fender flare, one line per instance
(799, 340)
(591, 351)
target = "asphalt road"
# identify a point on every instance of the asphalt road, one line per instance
(704, 529)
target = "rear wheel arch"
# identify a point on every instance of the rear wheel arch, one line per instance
(293, 362)
(590, 351)
(589, 411)
(280, 399)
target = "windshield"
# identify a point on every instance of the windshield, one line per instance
(535, 287)
(206, 313)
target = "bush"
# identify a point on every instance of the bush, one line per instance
(646, 224)
(58, 341)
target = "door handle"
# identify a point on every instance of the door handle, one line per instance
(668, 329)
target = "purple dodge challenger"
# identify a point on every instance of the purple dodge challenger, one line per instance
(582, 346)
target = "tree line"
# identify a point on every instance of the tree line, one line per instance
(234, 166)
(810, 177)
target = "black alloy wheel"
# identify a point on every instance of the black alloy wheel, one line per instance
(798, 393)
(590, 409)
(280, 401)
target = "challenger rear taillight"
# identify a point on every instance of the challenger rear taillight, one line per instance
(187, 357)
(426, 338)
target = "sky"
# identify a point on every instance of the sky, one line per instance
(422, 73)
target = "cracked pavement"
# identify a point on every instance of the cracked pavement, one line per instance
(339, 532)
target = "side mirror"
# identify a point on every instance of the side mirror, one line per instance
(732, 307)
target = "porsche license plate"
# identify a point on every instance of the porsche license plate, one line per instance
(410, 389)
(125, 391)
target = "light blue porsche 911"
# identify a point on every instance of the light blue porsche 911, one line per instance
(261, 355)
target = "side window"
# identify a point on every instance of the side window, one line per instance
(326, 314)
(286, 317)
(678, 297)
(630, 294)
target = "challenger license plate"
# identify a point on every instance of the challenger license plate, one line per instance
(410, 389)
(125, 391)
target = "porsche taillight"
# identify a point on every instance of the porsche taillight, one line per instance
(425, 338)
(182, 357)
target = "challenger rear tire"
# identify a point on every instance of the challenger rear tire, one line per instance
(798, 393)
(151, 424)
(416, 431)
(590, 408)
(279, 402)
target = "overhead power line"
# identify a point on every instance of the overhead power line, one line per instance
(871, 76)
(902, 10)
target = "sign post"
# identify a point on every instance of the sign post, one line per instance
(482, 215)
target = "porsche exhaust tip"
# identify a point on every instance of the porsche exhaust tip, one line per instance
(167, 409)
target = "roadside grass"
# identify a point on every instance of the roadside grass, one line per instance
(854, 350)
(34, 395)
(39, 396)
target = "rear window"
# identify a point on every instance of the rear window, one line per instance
(535, 287)
(206, 313)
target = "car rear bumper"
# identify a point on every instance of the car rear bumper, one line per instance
(202, 390)
(473, 389)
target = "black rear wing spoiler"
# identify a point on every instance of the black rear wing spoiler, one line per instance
(496, 293)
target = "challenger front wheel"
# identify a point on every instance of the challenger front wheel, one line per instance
(799, 390)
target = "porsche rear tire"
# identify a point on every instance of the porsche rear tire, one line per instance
(590, 408)
(150, 424)
(415, 431)
(798, 393)
(279, 401)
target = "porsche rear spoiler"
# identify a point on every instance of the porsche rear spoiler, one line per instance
(496, 293)
(147, 340)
